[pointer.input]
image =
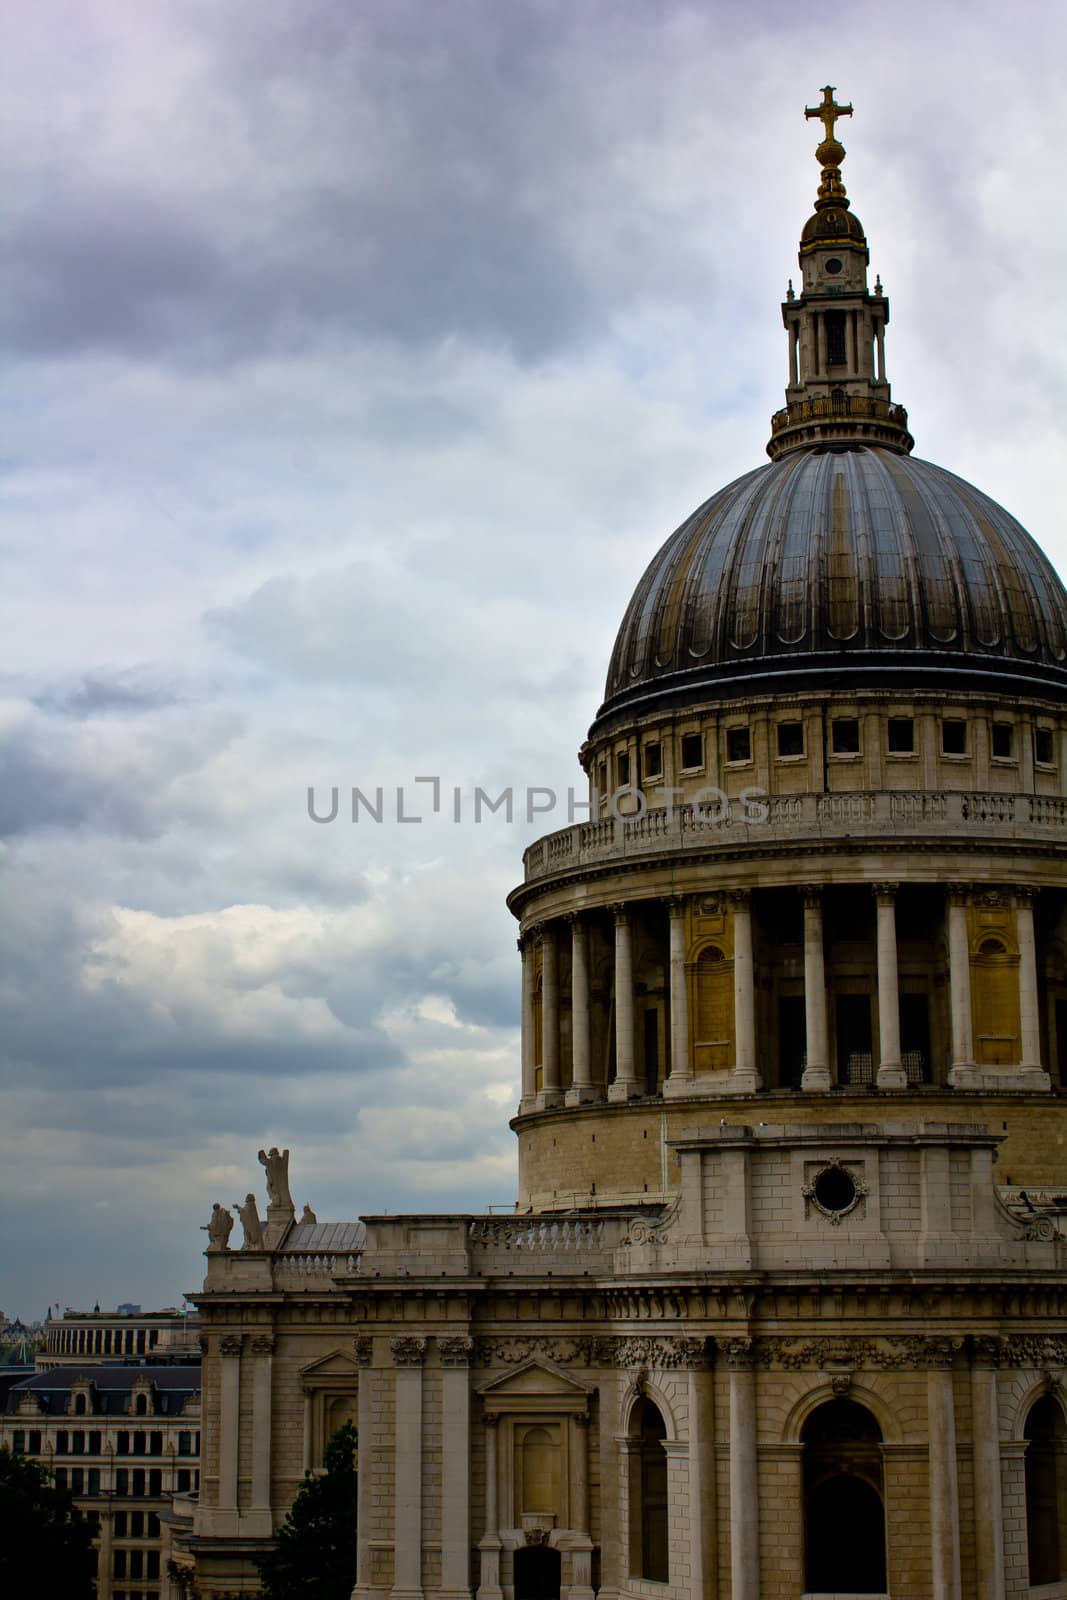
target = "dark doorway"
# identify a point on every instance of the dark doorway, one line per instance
(844, 1517)
(915, 1037)
(855, 1061)
(652, 1488)
(846, 1537)
(1044, 1489)
(792, 1043)
(651, 1052)
(537, 1573)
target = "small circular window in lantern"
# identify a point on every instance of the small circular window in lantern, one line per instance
(834, 1191)
(834, 265)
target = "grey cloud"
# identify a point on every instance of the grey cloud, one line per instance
(440, 178)
(130, 692)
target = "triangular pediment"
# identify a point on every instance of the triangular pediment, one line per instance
(536, 1378)
(336, 1364)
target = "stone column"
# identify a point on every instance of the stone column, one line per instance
(1029, 1025)
(817, 1067)
(746, 1071)
(944, 1496)
(626, 1086)
(744, 1473)
(229, 1419)
(988, 1503)
(581, 1089)
(793, 366)
(581, 1587)
(703, 1568)
(879, 334)
(489, 1544)
(364, 1353)
(408, 1354)
(959, 965)
(551, 1093)
(455, 1351)
(820, 335)
(529, 1025)
(262, 1352)
(850, 343)
(681, 1074)
(891, 1074)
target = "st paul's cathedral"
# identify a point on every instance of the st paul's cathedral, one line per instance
(782, 1308)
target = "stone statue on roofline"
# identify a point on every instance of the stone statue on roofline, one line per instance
(249, 1215)
(309, 1215)
(218, 1228)
(276, 1165)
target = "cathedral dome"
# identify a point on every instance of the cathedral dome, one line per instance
(834, 568)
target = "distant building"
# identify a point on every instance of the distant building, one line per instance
(124, 1440)
(127, 1334)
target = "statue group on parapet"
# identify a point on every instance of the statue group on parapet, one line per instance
(219, 1226)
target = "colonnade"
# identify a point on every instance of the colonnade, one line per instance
(542, 1082)
(75, 1340)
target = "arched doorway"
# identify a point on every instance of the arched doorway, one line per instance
(844, 1513)
(537, 1573)
(648, 1510)
(1045, 1485)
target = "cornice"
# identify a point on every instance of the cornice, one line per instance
(835, 846)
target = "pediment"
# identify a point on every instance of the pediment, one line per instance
(336, 1364)
(536, 1379)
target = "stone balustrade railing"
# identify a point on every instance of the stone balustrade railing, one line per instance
(540, 1235)
(317, 1265)
(778, 818)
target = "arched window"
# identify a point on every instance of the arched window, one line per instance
(844, 1516)
(1046, 1501)
(81, 1405)
(648, 1520)
(140, 1406)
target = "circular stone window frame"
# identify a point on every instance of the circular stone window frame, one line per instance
(834, 1215)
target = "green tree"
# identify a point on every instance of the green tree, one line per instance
(47, 1545)
(315, 1556)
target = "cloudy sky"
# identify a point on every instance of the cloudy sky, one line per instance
(357, 356)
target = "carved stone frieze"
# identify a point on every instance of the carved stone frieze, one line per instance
(662, 1354)
(1035, 1350)
(821, 1355)
(408, 1351)
(511, 1352)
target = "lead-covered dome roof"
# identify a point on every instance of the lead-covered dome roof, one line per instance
(854, 567)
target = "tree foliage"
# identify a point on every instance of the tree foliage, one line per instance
(315, 1556)
(47, 1545)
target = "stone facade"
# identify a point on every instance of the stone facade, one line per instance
(782, 1310)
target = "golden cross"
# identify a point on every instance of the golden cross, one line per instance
(829, 111)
